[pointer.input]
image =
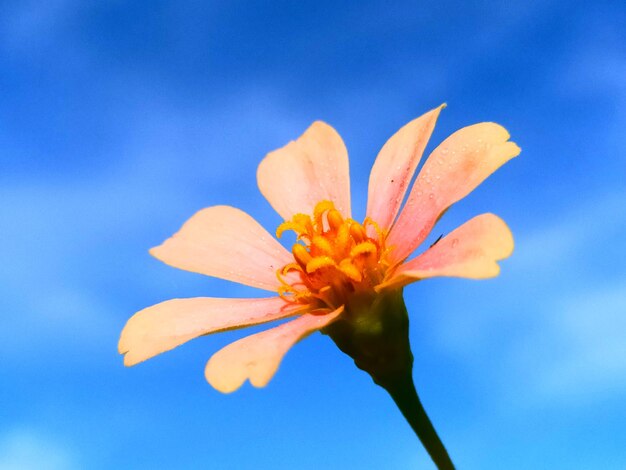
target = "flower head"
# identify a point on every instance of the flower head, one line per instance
(335, 258)
(339, 269)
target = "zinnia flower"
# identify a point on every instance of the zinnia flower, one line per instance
(342, 276)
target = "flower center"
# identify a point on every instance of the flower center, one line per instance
(334, 257)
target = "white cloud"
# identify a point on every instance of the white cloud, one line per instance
(58, 237)
(578, 353)
(549, 248)
(575, 348)
(23, 449)
(558, 318)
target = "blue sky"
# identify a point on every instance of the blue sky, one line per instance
(119, 120)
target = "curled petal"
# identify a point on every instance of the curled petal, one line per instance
(257, 357)
(453, 170)
(225, 242)
(470, 251)
(394, 168)
(311, 169)
(164, 326)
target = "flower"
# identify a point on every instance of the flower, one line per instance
(339, 270)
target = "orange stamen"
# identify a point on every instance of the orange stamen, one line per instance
(335, 257)
(364, 248)
(350, 270)
(301, 254)
(334, 219)
(318, 263)
(321, 245)
(357, 232)
(320, 209)
(342, 240)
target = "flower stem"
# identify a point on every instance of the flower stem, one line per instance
(405, 396)
(375, 333)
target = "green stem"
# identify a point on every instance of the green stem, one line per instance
(405, 396)
(375, 333)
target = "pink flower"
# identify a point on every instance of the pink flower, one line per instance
(338, 267)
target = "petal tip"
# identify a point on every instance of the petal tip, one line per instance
(121, 347)
(496, 270)
(129, 361)
(123, 344)
(515, 149)
(321, 124)
(217, 380)
(509, 245)
(504, 236)
(436, 111)
(512, 149)
(155, 251)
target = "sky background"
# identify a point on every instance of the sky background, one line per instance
(119, 120)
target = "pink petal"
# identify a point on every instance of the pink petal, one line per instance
(470, 251)
(224, 242)
(452, 171)
(306, 171)
(257, 357)
(394, 167)
(164, 326)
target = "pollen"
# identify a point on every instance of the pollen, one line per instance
(364, 248)
(335, 257)
(320, 262)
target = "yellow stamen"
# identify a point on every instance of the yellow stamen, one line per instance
(321, 245)
(350, 270)
(379, 231)
(338, 257)
(285, 289)
(334, 219)
(364, 248)
(357, 232)
(342, 240)
(305, 221)
(291, 267)
(301, 254)
(320, 209)
(289, 225)
(318, 263)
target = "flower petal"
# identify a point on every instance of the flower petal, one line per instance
(452, 171)
(304, 172)
(224, 242)
(257, 357)
(470, 251)
(164, 326)
(394, 167)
